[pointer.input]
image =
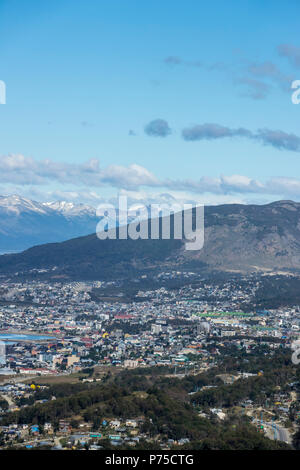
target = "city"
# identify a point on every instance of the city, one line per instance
(149, 232)
(62, 333)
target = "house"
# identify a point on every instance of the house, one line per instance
(35, 430)
(64, 426)
(115, 424)
(130, 363)
(131, 423)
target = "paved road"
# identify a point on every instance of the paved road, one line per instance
(280, 434)
(283, 434)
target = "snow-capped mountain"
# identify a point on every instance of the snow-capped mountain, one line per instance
(69, 209)
(17, 205)
(24, 223)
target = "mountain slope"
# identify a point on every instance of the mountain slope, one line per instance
(243, 238)
(25, 223)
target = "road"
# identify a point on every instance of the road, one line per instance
(283, 434)
(279, 433)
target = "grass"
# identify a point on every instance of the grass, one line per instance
(224, 314)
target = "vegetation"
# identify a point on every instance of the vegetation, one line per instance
(167, 407)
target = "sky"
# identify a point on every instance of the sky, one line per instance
(155, 100)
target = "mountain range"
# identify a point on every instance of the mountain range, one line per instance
(238, 238)
(25, 223)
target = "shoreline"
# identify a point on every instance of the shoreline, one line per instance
(28, 333)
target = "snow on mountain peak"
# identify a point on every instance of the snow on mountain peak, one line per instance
(16, 204)
(70, 209)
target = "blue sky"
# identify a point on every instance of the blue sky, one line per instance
(156, 99)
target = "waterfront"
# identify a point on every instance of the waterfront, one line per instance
(13, 337)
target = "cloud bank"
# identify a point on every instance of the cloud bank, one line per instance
(18, 169)
(84, 180)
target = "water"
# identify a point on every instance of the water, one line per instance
(11, 337)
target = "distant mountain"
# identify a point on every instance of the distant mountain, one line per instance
(238, 238)
(25, 223)
(69, 209)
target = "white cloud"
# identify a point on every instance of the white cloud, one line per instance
(18, 169)
(49, 180)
